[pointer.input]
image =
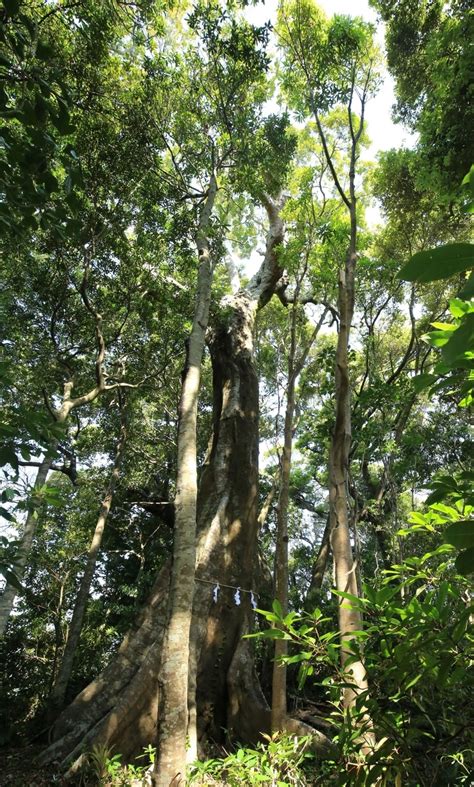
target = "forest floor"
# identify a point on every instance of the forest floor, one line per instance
(17, 769)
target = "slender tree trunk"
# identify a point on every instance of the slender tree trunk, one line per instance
(344, 568)
(319, 567)
(267, 503)
(350, 619)
(7, 599)
(58, 692)
(295, 366)
(173, 693)
(279, 706)
(58, 633)
(349, 616)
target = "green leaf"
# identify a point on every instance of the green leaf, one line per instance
(11, 578)
(413, 681)
(461, 341)
(422, 381)
(438, 338)
(267, 634)
(465, 562)
(5, 513)
(444, 326)
(61, 120)
(43, 50)
(439, 263)
(460, 534)
(458, 308)
(277, 608)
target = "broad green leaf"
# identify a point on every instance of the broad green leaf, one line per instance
(277, 608)
(439, 263)
(437, 338)
(444, 326)
(460, 534)
(458, 308)
(423, 381)
(461, 341)
(465, 562)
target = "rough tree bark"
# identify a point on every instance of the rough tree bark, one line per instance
(119, 708)
(58, 691)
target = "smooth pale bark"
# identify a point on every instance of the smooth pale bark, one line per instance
(7, 599)
(350, 619)
(170, 764)
(58, 691)
(345, 575)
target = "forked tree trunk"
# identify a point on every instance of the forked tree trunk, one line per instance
(58, 691)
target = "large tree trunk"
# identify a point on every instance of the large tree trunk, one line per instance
(227, 540)
(120, 707)
(226, 553)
